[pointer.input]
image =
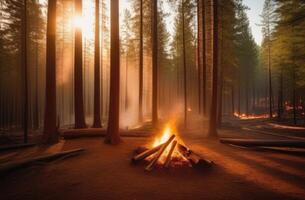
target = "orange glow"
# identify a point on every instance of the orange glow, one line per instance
(167, 132)
(243, 116)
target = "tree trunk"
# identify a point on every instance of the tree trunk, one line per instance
(24, 70)
(199, 38)
(113, 135)
(203, 59)
(213, 112)
(155, 63)
(184, 66)
(97, 85)
(78, 72)
(280, 97)
(232, 100)
(50, 133)
(140, 117)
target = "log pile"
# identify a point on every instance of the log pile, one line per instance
(188, 157)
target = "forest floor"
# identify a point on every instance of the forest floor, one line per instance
(104, 172)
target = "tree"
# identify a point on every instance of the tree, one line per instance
(24, 65)
(50, 133)
(140, 117)
(213, 112)
(267, 23)
(78, 72)
(113, 136)
(97, 95)
(155, 62)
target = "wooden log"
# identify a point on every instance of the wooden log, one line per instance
(161, 150)
(16, 146)
(27, 162)
(169, 155)
(145, 154)
(195, 159)
(264, 143)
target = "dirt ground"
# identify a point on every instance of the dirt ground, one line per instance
(105, 172)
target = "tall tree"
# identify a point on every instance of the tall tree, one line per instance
(50, 130)
(267, 22)
(113, 136)
(184, 64)
(213, 112)
(97, 85)
(78, 71)
(155, 62)
(24, 65)
(140, 117)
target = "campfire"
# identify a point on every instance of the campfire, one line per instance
(169, 151)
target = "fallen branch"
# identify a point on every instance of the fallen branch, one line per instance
(45, 158)
(156, 158)
(169, 155)
(265, 143)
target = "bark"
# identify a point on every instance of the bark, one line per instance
(140, 117)
(50, 134)
(213, 112)
(113, 135)
(78, 73)
(184, 67)
(204, 64)
(97, 85)
(280, 97)
(199, 66)
(155, 62)
(24, 69)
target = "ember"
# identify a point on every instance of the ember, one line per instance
(167, 151)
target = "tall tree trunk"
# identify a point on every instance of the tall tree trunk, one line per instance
(184, 66)
(97, 82)
(78, 72)
(155, 63)
(50, 133)
(221, 81)
(113, 135)
(24, 65)
(269, 74)
(199, 38)
(140, 117)
(213, 112)
(204, 64)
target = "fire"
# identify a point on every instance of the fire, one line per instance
(167, 132)
(243, 116)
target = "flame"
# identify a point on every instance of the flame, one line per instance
(243, 116)
(167, 132)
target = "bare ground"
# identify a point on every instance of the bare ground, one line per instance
(105, 172)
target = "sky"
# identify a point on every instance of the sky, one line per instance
(254, 12)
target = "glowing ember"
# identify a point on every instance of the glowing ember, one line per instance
(243, 116)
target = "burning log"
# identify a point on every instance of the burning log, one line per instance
(195, 159)
(145, 154)
(156, 158)
(169, 155)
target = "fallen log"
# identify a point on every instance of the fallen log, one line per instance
(16, 146)
(169, 155)
(264, 143)
(45, 158)
(161, 150)
(195, 159)
(145, 154)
